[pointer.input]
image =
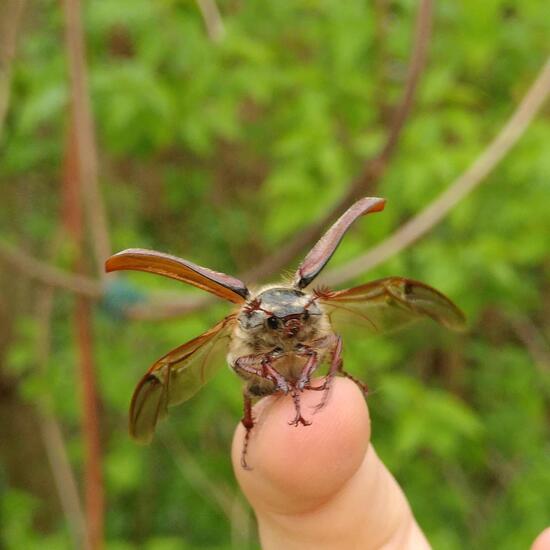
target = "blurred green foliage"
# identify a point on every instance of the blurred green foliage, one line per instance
(220, 152)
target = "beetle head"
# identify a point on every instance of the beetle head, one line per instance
(280, 311)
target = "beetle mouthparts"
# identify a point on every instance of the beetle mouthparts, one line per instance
(292, 326)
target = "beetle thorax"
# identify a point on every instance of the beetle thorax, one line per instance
(280, 317)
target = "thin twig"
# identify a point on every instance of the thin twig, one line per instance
(186, 304)
(533, 340)
(212, 19)
(162, 308)
(374, 169)
(372, 172)
(241, 523)
(84, 127)
(50, 429)
(49, 274)
(67, 489)
(191, 469)
(439, 208)
(9, 24)
(415, 228)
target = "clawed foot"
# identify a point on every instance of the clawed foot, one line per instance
(321, 405)
(244, 463)
(325, 388)
(299, 419)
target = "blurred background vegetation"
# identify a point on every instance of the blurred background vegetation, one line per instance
(222, 132)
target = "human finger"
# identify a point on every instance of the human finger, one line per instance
(322, 486)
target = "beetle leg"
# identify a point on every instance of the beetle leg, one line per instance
(308, 369)
(309, 351)
(261, 366)
(272, 374)
(335, 367)
(362, 386)
(298, 419)
(248, 423)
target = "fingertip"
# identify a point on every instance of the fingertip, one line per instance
(542, 542)
(295, 469)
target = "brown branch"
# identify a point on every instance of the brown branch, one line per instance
(84, 128)
(415, 228)
(9, 23)
(73, 218)
(48, 274)
(93, 478)
(374, 169)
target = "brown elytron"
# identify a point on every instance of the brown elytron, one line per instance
(280, 334)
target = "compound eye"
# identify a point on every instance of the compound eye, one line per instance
(272, 322)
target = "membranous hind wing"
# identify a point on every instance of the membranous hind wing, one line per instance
(176, 377)
(389, 304)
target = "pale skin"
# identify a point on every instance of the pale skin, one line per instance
(323, 486)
